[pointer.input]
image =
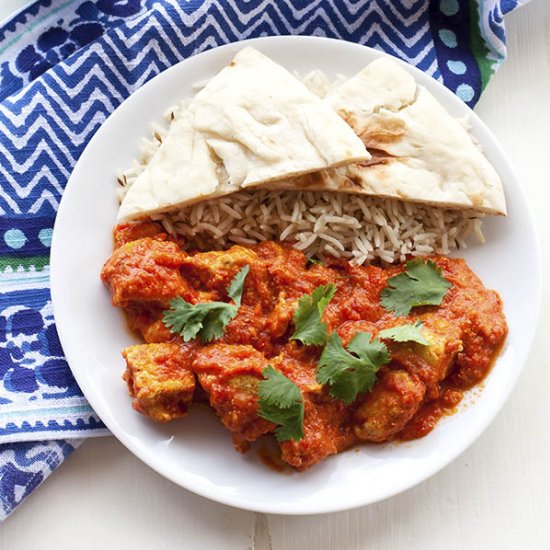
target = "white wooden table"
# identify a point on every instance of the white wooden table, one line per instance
(495, 496)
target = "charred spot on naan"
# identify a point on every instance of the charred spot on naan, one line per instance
(382, 130)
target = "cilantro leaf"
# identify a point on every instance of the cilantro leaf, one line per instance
(405, 333)
(421, 284)
(235, 289)
(206, 320)
(373, 351)
(309, 328)
(352, 371)
(281, 402)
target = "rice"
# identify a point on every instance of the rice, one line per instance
(359, 228)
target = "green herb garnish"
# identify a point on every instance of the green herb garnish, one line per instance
(421, 284)
(351, 371)
(281, 402)
(235, 288)
(309, 328)
(405, 333)
(207, 320)
(313, 261)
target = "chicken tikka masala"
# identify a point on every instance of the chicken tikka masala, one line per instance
(323, 355)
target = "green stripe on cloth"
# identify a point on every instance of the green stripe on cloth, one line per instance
(478, 46)
(28, 263)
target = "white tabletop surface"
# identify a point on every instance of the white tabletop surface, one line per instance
(496, 495)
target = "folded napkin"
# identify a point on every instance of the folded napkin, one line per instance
(64, 67)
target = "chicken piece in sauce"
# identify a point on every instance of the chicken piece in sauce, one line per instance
(128, 232)
(386, 410)
(230, 375)
(327, 431)
(160, 379)
(145, 270)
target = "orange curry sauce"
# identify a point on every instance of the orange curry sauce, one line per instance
(412, 392)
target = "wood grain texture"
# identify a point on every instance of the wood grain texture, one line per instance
(105, 498)
(495, 496)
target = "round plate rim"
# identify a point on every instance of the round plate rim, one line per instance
(56, 278)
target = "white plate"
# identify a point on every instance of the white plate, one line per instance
(196, 452)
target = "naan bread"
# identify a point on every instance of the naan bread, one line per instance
(253, 124)
(420, 152)
(181, 172)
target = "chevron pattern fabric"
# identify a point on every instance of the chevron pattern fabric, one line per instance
(65, 65)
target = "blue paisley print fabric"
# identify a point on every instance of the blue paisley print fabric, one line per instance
(65, 65)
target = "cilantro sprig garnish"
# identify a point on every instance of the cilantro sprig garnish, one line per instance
(309, 327)
(421, 284)
(351, 371)
(207, 320)
(405, 333)
(281, 402)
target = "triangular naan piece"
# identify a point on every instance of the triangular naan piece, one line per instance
(254, 123)
(424, 153)
(181, 171)
(420, 152)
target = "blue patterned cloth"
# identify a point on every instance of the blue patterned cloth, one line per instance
(65, 65)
